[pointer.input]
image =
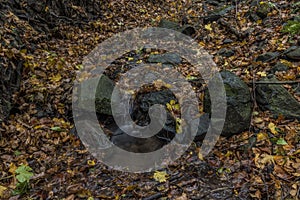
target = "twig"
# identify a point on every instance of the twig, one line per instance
(274, 82)
(7, 177)
(215, 190)
(155, 196)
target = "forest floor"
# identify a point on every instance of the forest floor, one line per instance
(261, 163)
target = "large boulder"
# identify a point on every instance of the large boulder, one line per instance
(277, 99)
(101, 99)
(239, 104)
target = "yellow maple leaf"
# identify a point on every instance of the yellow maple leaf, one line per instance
(91, 163)
(262, 74)
(272, 128)
(208, 27)
(160, 176)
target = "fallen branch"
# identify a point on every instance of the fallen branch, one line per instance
(214, 190)
(274, 82)
(155, 196)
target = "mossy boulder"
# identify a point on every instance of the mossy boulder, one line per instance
(239, 104)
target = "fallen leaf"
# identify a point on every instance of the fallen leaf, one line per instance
(2, 189)
(178, 125)
(55, 128)
(91, 163)
(56, 78)
(12, 168)
(208, 27)
(281, 141)
(160, 176)
(272, 128)
(262, 74)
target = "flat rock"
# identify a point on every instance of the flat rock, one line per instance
(277, 99)
(295, 54)
(267, 56)
(227, 41)
(166, 58)
(226, 52)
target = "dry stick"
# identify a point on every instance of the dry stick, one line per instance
(155, 196)
(273, 82)
(7, 177)
(215, 190)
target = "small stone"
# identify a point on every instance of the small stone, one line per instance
(295, 54)
(267, 56)
(226, 52)
(227, 41)
(167, 58)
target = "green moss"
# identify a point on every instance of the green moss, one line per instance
(292, 27)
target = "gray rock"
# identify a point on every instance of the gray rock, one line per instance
(217, 14)
(226, 52)
(101, 100)
(267, 56)
(213, 2)
(279, 67)
(166, 58)
(185, 29)
(227, 41)
(295, 54)
(277, 99)
(239, 104)
(144, 101)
